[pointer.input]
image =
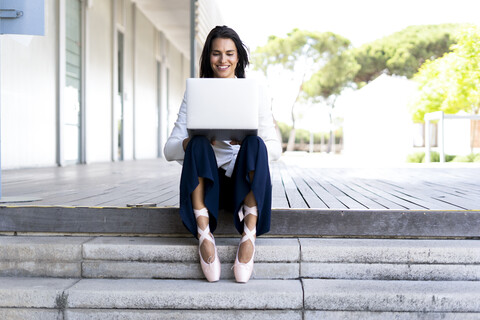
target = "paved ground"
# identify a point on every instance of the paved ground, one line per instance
(299, 180)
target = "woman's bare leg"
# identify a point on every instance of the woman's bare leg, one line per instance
(246, 248)
(207, 248)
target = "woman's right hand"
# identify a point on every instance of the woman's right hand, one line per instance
(187, 140)
(185, 143)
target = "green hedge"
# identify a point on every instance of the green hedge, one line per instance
(302, 135)
(419, 157)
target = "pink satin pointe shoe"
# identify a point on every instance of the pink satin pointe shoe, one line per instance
(243, 271)
(211, 267)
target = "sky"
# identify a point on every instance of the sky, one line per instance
(360, 21)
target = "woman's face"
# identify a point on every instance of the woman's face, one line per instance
(223, 58)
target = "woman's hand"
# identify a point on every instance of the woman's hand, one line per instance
(187, 140)
(235, 142)
(185, 143)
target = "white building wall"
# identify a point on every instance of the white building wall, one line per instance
(30, 79)
(145, 89)
(98, 99)
(28, 95)
(177, 83)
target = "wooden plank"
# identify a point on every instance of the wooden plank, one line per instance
(311, 198)
(418, 196)
(279, 198)
(134, 181)
(358, 194)
(294, 197)
(327, 198)
(330, 185)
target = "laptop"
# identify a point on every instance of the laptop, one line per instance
(222, 109)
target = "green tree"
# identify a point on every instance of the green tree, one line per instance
(328, 83)
(403, 52)
(451, 83)
(315, 55)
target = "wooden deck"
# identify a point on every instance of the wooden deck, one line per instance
(295, 185)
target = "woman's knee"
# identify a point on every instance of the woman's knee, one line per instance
(199, 144)
(199, 141)
(254, 140)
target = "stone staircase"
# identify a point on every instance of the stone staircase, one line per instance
(101, 277)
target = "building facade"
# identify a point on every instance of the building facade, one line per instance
(103, 84)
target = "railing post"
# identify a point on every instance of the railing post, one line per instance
(441, 129)
(427, 139)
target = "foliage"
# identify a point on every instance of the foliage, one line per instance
(451, 83)
(328, 65)
(468, 158)
(419, 157)
(298, 45)
(332, 77)
(325, 55)
(284, 130)
(303, 135)
(403, 52)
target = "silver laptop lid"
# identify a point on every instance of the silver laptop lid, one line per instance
(223, 109)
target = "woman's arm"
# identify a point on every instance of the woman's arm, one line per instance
(174, 147)
(266, 126)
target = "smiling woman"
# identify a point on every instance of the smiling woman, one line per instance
(229, 175)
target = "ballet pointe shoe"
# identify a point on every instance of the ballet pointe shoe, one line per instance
(211, 266)
(243, 271)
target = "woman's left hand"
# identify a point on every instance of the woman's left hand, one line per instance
(235, 142)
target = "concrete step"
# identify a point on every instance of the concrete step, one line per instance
(392, 296)
(391, 223)
(149, 299)
(275, 258)
(54, 298)
(387, 259)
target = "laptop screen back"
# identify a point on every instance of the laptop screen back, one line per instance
(222, 109)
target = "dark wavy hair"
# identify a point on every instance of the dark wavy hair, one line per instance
(223, 32)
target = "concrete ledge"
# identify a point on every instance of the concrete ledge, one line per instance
(182, 270)
(360, 315)
(285, 222)
(41, 248)
(30, 314)
(177, 258)
(185, 294)
(40, 269)
(141, 249)
(41, 256)
(34, 298)
(34, 292)
(390, 251)
(182, 315)
(275, 258)
(389, 259)
(184, 249)
(394, 296)
(437, 272)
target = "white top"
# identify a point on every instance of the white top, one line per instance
(225, 153)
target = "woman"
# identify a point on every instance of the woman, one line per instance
(231, 175)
